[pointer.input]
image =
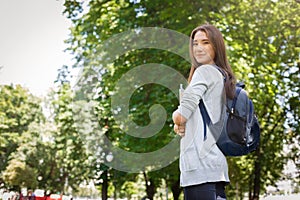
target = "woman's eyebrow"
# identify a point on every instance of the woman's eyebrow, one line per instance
(203, 39)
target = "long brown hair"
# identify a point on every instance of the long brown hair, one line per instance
(216, 39)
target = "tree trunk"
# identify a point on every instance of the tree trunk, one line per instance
(250, 187)
(257, 169)
(176, 190)
(150, 187)
(104, 186)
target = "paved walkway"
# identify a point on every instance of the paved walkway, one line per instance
(283, 197)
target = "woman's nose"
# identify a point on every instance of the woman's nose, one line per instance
(199, 47)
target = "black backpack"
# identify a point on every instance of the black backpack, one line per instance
(241, 133)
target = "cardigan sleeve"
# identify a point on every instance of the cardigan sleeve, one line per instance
(204, 80)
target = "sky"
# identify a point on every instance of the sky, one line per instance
(32, 34)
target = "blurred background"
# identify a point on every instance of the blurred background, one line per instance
(49, 147)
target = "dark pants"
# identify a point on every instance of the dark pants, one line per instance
(206, 191)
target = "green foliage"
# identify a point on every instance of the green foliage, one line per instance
(263, 47)
(18, 109)
(18, 175)
(128, 189)
(70, 152)
(263, 51)
(39, 153)
(35, 151)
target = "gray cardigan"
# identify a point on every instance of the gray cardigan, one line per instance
(201, 160)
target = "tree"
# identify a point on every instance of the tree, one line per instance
(18, 109)
(18, 175)
(32, 157)
(264, 57)
(50, 153)
(71, 158)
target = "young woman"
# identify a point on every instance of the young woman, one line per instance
(204, 170)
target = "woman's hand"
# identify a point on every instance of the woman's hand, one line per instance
(179, 129)
(179, 123)
(178, 118)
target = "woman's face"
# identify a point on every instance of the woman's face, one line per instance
(202, 49)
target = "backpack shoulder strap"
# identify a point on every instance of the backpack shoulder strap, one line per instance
(237, 92)
(205, 117)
